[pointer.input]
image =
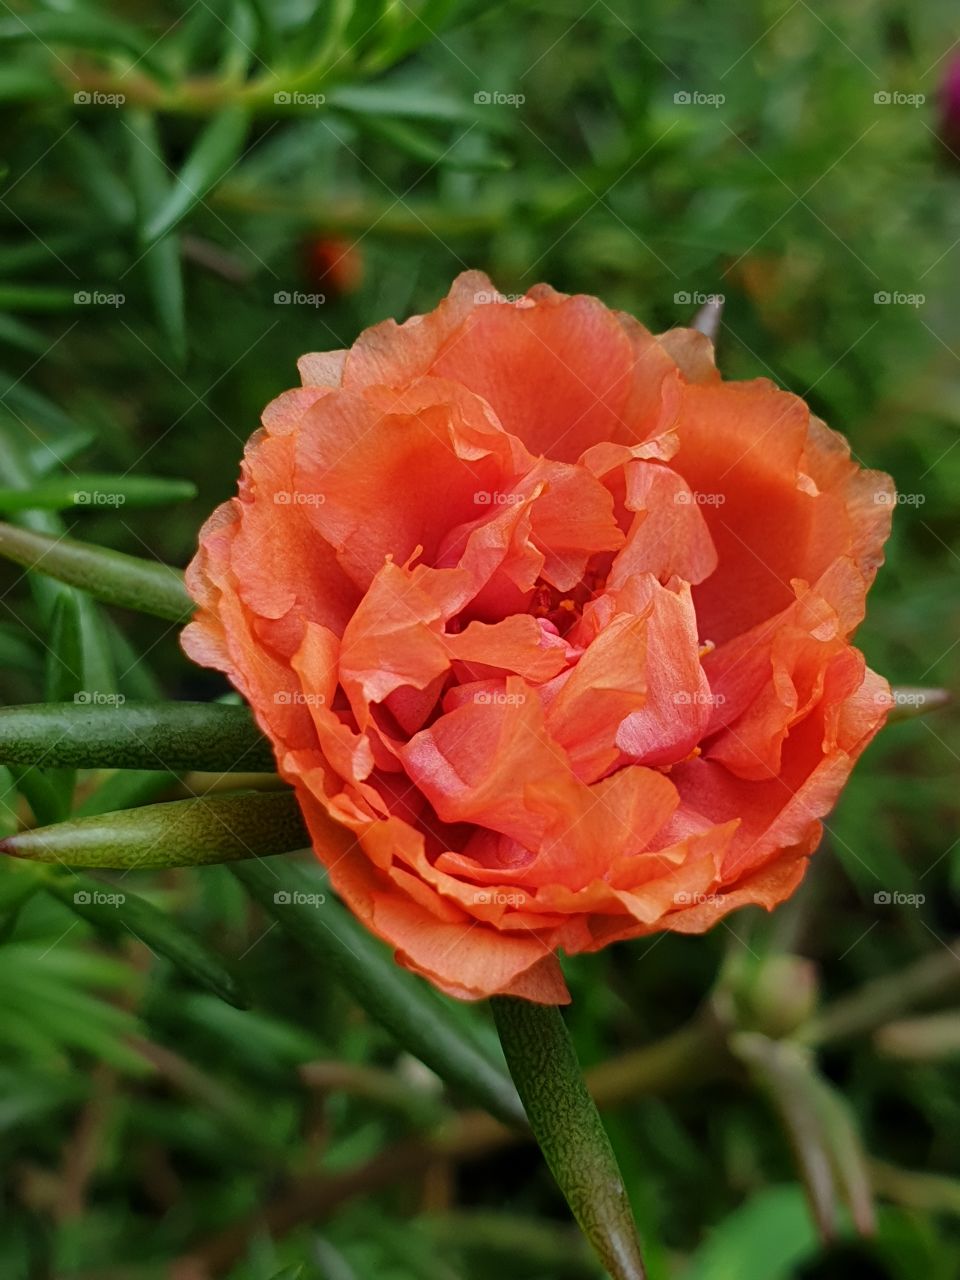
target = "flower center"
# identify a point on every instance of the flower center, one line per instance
(565, 608)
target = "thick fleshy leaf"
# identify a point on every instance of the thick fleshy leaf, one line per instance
(113, 734)
(96, 493)
(183, 833)
(115, 911)
(565, 1121)
(64, 675)
(302, 904)
(111, 576)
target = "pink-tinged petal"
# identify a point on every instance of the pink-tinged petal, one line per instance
(283, 415)
(395, 638)
(283, 571)
(364, 467)
(519, 645)
(316, 663)
(785, 812)
(322, 368)
(767, 887)
(855, 510)
(558, 374)
(668, 536)
(469, 761)
(392, 355)
(617, 816)
(470, 961)
(693, 353)
(678, 705)
(740, 449)
(768, 679)
(586, 707)
(571, 520)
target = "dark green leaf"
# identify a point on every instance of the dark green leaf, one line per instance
(116, 911)
(183, 833)
(85, 492)
(214, 152)
(112, 576)
(303, 905)
(109, 733)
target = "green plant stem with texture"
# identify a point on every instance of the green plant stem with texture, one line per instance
(565, 1121)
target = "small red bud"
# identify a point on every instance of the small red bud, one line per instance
(333, 265)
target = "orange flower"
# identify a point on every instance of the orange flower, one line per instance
(549, 627)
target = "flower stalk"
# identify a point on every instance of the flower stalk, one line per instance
(565, 1121)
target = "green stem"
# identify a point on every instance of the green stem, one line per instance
(565, 1121)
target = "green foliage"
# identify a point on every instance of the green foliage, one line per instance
(185, 1068)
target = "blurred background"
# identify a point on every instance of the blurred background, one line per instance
(194, 194)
